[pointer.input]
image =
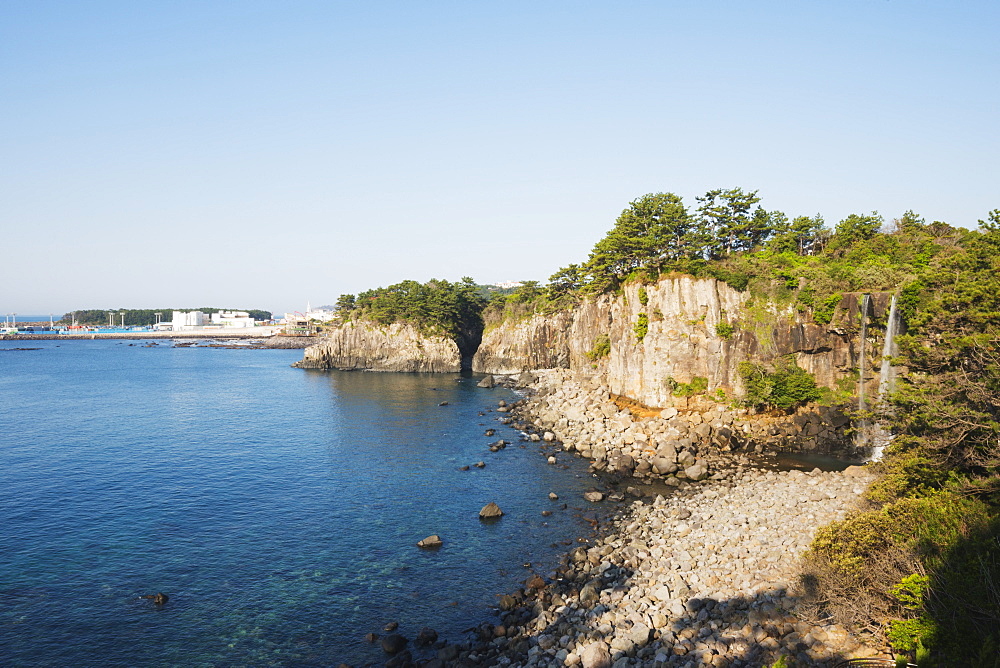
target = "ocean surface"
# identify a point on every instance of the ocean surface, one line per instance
(278, 508)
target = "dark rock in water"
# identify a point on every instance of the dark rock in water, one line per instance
(159, 598)
(344, 665)
(480, 465)
(490, 511)
(426, 636)
(535, 582)
(490, 432)
(401, 660)
(371, 637)
(463, 468)
(431, 541)
(393, 643)
(487, 382)
(546, 513)
(443, 403)
(448, 653)
(508, 602)
(391, 626)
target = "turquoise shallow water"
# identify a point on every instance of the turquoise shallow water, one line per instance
(277, 507)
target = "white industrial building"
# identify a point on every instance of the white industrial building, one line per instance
(239, 319)
(187, 320)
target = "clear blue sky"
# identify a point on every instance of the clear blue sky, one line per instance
(261, 154)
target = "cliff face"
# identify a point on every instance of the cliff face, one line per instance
(398, 347)
(682, 340)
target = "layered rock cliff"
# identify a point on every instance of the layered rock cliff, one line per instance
(397, 347)
(694, 328)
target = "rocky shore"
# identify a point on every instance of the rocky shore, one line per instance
(702, 574)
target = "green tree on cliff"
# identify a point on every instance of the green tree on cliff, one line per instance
(652, 232)
(729, 223)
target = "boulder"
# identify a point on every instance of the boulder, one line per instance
(393, 643)
(525, 379)
(596, 655)
(508, 602)
(490, 511)
(431, 541)
(663, 465)
(696, 472)
(488, 382)
(426, 636)
(591, 592)
(402, 660)
(593, 497)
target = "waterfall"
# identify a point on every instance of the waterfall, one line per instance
(887, 373)
(861, 429)
(880, 436)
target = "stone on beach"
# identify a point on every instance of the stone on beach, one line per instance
(596, 655)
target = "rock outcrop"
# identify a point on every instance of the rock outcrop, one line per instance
(694, 328)
(397, 347)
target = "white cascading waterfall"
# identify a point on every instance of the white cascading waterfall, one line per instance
(880, 436)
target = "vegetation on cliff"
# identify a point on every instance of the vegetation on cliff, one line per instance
(933, 526)
(436, 307)
(920, 566)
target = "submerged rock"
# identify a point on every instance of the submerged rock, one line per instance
(393, 643)
(426, 636)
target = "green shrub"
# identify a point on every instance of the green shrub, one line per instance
(698, 385)
(643, 295)
(641, 327)
(786, 387)
(906, 635)
(823, 313)
(602, 347)
(724, 330)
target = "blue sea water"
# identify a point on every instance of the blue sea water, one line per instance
(278, 508)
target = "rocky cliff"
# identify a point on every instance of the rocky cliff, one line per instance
(694, 328)
(397, 347)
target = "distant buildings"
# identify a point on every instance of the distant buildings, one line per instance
(507, 285)
(187, 320)
(194, 320)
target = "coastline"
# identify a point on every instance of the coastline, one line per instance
(702, 573)
(265, 340)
